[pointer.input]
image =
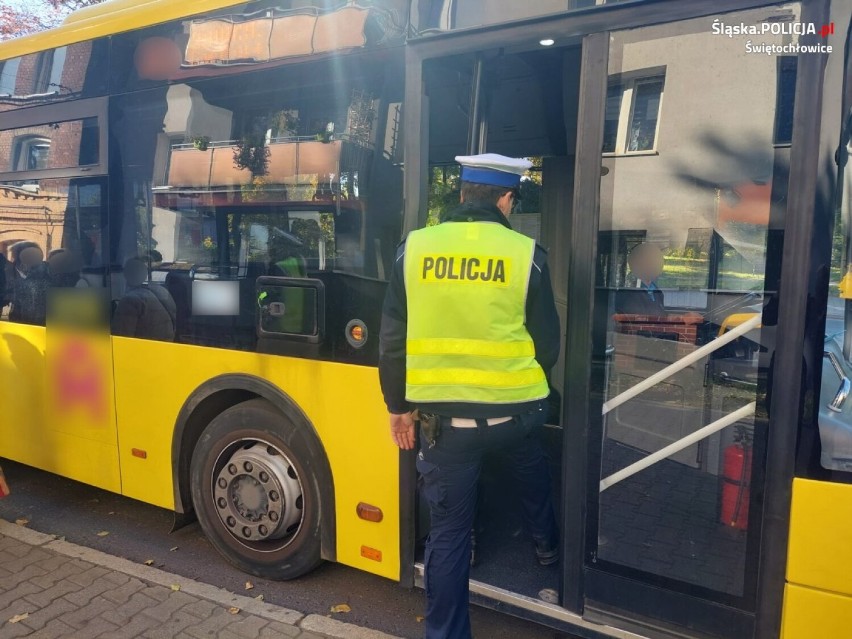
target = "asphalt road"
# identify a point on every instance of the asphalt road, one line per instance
(139, 532)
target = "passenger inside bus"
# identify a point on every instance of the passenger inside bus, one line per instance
(146, 309)
(65, 266)
(29, 283)
(646, 263)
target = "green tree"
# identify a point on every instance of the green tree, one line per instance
(444, 188)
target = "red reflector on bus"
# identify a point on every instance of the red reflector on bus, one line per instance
(138, 452)
(371, 553)
(369, 513)
(356, 333)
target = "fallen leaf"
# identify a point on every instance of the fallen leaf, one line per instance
(18, 618)
(103, 533)
(341, 608)
(148, 562)
(112, 512)
(234, 610)
(249, 585)
(259, 597)
(420, 618)
(22, 521)
(173, 548)
(175, 587)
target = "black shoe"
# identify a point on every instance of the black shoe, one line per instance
(547, 552)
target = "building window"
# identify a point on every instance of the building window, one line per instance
(632, 114)
(44, 69)
(614, 94)
(9, 76)
(31, 153)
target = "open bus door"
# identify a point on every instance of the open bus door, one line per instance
(661, 443)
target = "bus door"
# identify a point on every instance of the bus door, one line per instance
(56, 386)
(519, 103)
(684, 165)
(661, 161)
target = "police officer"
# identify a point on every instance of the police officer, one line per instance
(469, 332)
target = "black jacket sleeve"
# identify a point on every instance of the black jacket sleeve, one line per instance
(542, 321)
(392, 338)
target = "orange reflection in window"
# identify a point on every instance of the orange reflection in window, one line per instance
(222, 41)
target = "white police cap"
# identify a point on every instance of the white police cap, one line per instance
(493, 169)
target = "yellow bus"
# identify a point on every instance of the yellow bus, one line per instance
(200, 204)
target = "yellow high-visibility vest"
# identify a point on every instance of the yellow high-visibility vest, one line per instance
(466, 285)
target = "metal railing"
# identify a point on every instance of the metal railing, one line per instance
(665, 373)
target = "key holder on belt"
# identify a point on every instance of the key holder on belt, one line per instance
(430, 424)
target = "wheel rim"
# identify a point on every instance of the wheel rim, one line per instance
(257, 492)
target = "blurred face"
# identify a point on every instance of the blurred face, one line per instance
(646, 262)
(29, 257)
(135, 272)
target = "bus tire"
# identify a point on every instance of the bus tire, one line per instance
(253, 491)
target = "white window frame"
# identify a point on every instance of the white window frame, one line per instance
(21, 150)
(628, 106)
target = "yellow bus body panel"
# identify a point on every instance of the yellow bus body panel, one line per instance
(342, 401)
(818, 596)
(57, 403)
(815, 614)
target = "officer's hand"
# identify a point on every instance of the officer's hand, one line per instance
(402, 430)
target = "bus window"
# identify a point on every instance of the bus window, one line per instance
(65, 73)
(52, 145)
(51, 238)
(229, 176)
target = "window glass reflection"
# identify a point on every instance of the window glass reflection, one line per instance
(262, 35)
(51, 237)
(291, 171)
(53, 145)
(834, 413)
(689, 255)
(435, 16)
(74, 71)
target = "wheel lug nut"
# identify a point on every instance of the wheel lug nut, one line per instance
(232, 469)
(246, 532)
(221, 502)
(248, 467)
(264, 477)
(231, 522)
(273, 516)
(263, 530)
(273, 495)
(222, 482)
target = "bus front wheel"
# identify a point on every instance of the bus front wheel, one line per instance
(254, 494)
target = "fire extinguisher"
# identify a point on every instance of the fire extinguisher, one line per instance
(736, 478)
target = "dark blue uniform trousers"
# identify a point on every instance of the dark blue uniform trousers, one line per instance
(449, 473)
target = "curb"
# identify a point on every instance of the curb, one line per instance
(249, 605)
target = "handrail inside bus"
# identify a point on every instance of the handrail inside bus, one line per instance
(682, 363)
(678, 445)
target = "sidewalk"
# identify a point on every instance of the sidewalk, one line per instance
(51, 588)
